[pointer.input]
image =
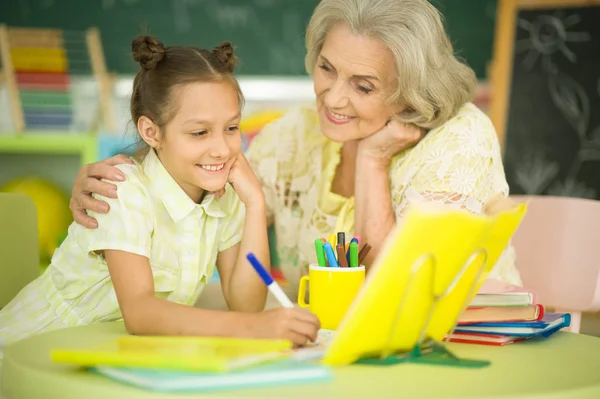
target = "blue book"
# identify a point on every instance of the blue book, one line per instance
(287, 371)
(550, 323)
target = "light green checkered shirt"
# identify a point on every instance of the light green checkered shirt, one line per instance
(153, 217)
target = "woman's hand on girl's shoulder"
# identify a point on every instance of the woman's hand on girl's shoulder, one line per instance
(88, 182)
(392, 139)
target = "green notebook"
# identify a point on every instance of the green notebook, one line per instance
(287, 371)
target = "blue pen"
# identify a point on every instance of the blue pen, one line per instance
(271, 284)
(330, 255)
(348, 251)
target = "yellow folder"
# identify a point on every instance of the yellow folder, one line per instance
(176, 353)
(436, 251)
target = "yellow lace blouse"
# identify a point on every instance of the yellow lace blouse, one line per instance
(458, 163)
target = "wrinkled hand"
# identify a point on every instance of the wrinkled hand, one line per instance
(393, 138)
(296, 325)
(245, 183)
(88, 181)
(497, 204)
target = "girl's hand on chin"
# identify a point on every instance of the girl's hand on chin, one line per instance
(245, 183)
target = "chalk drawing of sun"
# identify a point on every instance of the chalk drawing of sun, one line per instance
(548, 35)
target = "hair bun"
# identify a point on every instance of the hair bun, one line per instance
(148, 51)
(224, 53)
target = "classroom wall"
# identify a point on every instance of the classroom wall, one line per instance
(269, 34)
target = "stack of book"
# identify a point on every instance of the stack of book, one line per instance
(502, 318)
(194, 364)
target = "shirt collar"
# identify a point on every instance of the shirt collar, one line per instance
(177, 203)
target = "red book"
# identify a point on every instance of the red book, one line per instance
(483, 339)
(495, 314)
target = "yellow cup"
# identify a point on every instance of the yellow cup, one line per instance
(332, 290)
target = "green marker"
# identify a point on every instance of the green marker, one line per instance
(320, 253)
(353, 254)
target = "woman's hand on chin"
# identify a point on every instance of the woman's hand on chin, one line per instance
(393, 138)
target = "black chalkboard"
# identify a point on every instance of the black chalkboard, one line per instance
(552, 138)
(268, 34)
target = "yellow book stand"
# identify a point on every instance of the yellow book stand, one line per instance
(427, 272)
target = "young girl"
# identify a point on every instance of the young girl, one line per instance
(151, 256)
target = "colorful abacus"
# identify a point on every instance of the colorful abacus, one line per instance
(38, 68)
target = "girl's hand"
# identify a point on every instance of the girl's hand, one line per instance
(88, 181)
(395, 137)
(296, 325)
(245, 183)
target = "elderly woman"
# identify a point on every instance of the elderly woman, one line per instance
(392, 125)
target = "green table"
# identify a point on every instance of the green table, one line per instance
(565, 366)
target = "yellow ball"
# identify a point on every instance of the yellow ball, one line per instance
(53, 211)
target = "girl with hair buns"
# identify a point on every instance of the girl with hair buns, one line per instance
(153, 253)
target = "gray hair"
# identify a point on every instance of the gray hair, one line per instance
(432, 83)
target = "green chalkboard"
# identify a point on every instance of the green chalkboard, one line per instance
(268, 34)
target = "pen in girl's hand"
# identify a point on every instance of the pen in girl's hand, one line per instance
(271, 284)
